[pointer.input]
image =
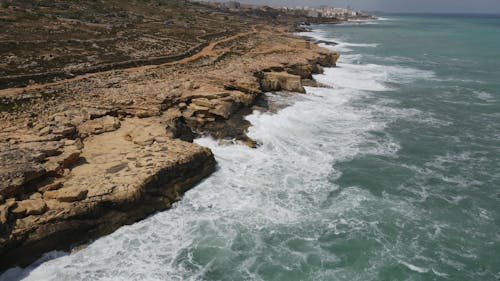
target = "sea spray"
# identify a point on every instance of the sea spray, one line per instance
(390, 173)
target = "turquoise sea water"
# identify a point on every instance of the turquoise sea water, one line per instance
(393, 173)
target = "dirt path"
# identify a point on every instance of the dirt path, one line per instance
(207, 51)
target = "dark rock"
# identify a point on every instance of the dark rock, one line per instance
(303, 70)
(328, 59)
(17, 168)
(178, 129)
(115, 169)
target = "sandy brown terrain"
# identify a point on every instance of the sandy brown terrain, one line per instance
(49, 40)
(80, 157)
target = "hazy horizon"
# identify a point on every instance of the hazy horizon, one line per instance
(392, 6)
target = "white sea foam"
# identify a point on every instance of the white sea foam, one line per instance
(368, 80)
(340, 45)
(239, 216)
(484, 96)
(317, 34)
(347, 47)
(370, 77)
(360, 22)
(351, 58)
(414, 267)
(254, 191)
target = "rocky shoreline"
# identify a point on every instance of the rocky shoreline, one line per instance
(82, 157)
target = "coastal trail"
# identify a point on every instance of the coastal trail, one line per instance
(206, 51)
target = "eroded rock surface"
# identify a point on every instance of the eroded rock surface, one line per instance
(281, 81)
(124, 175)
(82, 157)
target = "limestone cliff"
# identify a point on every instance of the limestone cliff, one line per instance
(81, 157)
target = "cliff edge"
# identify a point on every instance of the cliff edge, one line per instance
(83, 156)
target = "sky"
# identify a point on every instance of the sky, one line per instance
(411, 6)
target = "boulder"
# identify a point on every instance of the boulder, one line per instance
(245, 98)
(144, 139)
(317, 69)
(328, 59)
(303, 70)
(44, 131)
(199, 108)
(48, 148)
(64, 131)
(68, 158)
(144, 112)
(223, 109)
(194, 109)
(143, 135)
(203, 102)
(30, 207)
(188, 85)
(99, 126)
(51, 186)
(178, 129)
(4, 211)
(93, 113)
(281, 81)
(19, 166)
(4, 215)
(248, 88)
(116, 168)
(67, 194)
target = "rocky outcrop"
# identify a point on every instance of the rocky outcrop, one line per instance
(29, 207)
(281, 81)
(19, 167)
(80, 159)
(328, 59)
(126, 175)
(99, 126)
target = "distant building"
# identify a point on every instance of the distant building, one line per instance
(233, 5)
(312, 14)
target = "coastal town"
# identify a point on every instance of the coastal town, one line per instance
(267, 140)
(321, 12)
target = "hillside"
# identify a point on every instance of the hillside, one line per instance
(42, 41)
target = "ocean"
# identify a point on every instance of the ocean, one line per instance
(390, 173)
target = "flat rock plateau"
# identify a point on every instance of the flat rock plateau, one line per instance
(100, 102)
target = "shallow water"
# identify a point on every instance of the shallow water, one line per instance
(391, 174)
